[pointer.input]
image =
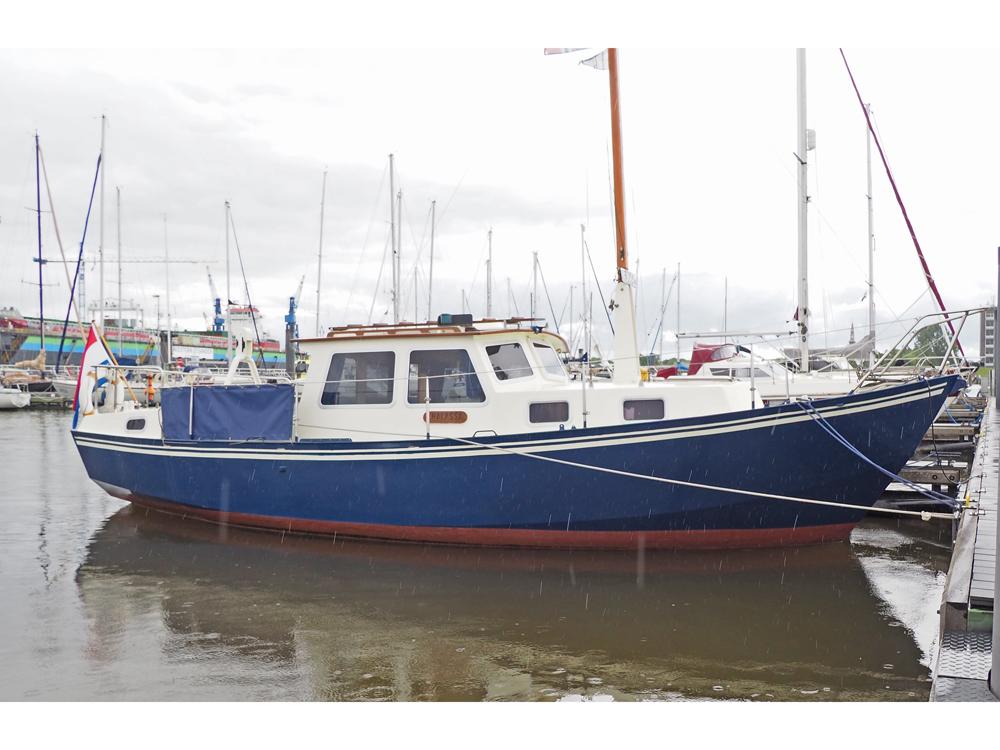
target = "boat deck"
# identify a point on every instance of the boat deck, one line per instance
(965, 652)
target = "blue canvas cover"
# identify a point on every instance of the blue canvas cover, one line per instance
(228, 412)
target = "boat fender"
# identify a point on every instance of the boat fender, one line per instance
(150, 391)
(85, 397)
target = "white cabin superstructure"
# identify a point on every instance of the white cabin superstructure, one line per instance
(475, 379)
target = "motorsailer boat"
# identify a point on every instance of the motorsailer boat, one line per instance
(472, 432)
(467, 432)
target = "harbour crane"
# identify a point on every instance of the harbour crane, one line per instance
(292, 329)
(218, 322)
(293, 304)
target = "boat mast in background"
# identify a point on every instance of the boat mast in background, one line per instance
(430, 274)
(658, 342)
(534, 283)
(802, 201)
(100, 241)
(319, 270)
(678, 313)
(166, 277)
(39, 260)
(489, 273)
(902, 208)
(55, 227)
(118, 219)
(229, 332)
(871, 247)
(392, 240)
(725, 308)
(399, 250)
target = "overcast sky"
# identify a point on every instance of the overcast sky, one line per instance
(516, 141)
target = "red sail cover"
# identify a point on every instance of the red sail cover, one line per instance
(705, 353)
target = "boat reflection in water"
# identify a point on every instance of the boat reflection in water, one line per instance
(255, 615)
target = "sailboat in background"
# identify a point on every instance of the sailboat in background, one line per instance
(29, 375)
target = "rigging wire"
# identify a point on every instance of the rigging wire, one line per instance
(597, 283)
(378, 280)
(246, 287)
(364, 246)
(546, 288)
(79, 260)
(928, 278)
(924, 515)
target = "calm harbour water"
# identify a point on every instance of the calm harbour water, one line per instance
(105, 602)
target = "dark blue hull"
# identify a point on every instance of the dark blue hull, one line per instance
(447, 491)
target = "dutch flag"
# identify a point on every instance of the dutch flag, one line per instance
(95, 354)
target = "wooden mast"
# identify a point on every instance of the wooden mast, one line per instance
(621, 250)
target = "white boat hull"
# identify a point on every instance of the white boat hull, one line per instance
(12, 398)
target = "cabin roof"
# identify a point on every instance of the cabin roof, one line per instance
(432, 330)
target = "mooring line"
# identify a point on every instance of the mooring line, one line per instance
(922, 514)
(830, 430)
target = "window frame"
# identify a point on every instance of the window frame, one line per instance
(527, 361)
(532, 404)
(542, 368)
(662, 401)
(393, 378)
(476, 370)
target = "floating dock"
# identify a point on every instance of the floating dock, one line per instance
(967, 606)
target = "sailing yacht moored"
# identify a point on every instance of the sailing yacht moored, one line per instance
(464, 431)
(473, 433)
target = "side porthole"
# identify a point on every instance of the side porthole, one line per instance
(551, 411)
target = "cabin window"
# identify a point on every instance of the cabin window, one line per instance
(550, 411)
(744, 372)
(446, 376)
(648, 408)
(721, 373)
(508, 361)
(551, 364)
(135, 424)
(359, 378)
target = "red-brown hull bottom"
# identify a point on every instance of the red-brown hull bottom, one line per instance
(539, 538)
